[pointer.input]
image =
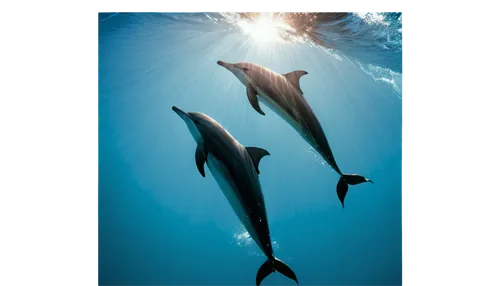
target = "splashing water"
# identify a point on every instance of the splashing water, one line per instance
(317, 156)
(372, 18)
(243, 238)
(384, 75)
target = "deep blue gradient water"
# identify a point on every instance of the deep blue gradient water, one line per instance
(162, 223)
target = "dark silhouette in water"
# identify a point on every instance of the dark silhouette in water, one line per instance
(235, 168)
(283, 95)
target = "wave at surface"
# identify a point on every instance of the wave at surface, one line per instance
(371, 40)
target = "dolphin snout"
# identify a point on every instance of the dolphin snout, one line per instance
(177, 109)
(180, 112)
(223, 64)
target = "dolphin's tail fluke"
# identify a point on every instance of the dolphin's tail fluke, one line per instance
(272, 265)
(346, 180)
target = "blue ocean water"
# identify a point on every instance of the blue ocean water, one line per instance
(162, 223)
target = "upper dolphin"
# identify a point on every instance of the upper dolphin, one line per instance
(282, 94)
(235, 168)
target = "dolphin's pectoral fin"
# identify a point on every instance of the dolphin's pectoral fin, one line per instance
(201, 158)
(252, 97)
(293, 78)
(256, 154)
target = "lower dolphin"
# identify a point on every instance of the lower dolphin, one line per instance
(236, 171)
(282, 94)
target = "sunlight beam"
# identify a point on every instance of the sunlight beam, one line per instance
(265, 29)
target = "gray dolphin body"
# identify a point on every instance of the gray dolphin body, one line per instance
(282, 94)
(235, 168)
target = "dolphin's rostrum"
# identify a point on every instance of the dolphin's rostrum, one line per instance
(235, 168)
(282, 94)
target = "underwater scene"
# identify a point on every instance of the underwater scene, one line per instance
(250, 148)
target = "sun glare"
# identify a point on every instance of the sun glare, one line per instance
(264, 29)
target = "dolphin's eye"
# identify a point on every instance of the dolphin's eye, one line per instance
(245, 69)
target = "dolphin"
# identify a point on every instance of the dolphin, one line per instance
(236, 170)
(283, 95)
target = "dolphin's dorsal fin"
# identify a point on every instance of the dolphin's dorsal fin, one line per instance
(293, 78)
(252, 97)
(201, 157)
(256, 154)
